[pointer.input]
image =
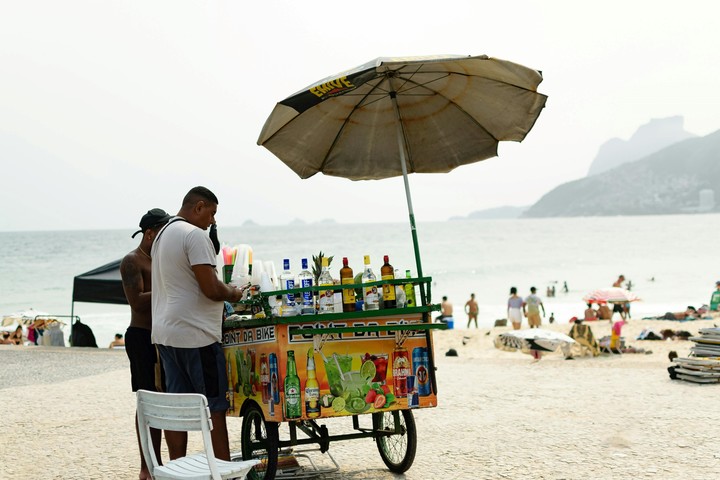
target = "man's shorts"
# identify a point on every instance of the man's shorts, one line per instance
(197, 370)
(145, 369)
(533, 319)
(618, 307)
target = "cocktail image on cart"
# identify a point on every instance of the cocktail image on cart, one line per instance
(387, 118)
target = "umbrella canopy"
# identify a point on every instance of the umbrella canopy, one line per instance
(611, 295)
(25, 317)
(392, 116)
(451, 111)
(532, 339)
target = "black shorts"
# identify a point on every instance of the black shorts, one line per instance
(618, 307)
(144, 360)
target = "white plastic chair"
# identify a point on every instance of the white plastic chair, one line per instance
(183, 412)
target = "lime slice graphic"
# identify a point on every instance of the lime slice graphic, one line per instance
(338, 404)
(367, 371)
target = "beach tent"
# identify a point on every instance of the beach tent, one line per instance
(101, 285)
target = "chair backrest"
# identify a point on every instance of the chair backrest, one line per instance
(181, 412)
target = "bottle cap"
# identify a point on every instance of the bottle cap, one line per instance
(324, 262)
(345, 262)
(286, 263)
(367, 259)
(304, 263)
(386, 259)
(407, 273)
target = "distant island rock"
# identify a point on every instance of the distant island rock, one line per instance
(249, 223)
(506, 211)
(680, 178)
(648, 139)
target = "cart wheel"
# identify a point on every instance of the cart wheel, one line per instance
(259, 441)
(397, 450)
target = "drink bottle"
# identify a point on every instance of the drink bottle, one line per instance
(410, 300)
(370, 293)
(400, 370)
(305, 279)
(287, 282)
(348, 294)
(293, 408)
(264, 378)
(312, 388)
(326, 298)
(387, 272)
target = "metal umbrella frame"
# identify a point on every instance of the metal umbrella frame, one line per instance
(440, 112)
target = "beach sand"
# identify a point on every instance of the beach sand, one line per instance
(68, 413)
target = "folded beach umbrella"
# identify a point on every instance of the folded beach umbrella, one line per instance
(611, 295)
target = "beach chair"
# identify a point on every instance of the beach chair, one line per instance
(183, 412)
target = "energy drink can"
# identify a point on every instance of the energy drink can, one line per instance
(420, 370)
(274, 376)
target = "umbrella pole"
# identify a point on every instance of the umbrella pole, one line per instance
(411, 213)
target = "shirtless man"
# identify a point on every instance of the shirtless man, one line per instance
(446, 310)
(471, 308)
(136, 280)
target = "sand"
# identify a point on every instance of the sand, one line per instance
(68, 413)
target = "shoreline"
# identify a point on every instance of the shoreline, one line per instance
(70, 414)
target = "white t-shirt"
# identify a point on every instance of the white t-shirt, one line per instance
(182, 316)
(533, 303)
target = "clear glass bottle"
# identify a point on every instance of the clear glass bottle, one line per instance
(305, 279)
(326, 298)
(287, 282)
(370, 293)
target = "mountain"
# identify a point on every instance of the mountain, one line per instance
(680, 178)
(649, 138)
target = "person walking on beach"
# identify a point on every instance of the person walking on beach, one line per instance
(187, 307)
(145, 370)
(471, 308)
(618, 283)
(514, 309)
(531, 308)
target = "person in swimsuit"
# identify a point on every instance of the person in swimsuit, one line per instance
(136, 280)
(514, 310)
(471, 308)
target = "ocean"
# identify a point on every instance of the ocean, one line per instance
(672, 261)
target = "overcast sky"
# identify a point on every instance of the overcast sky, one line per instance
(109, 108)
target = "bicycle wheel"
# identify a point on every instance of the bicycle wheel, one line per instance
(397, 450)
(260, 441)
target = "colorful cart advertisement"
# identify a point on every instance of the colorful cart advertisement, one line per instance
(295, 375)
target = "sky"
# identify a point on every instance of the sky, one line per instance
(108, 109)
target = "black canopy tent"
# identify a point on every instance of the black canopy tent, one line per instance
(101, 285)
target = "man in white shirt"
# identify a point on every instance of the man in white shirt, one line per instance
(531, 308)
(187, 306)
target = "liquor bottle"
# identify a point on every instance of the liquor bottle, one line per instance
(305, 279)
(264, 378)
(370, 294)
(400, 370)
(293, 408)
(410, 300)
(312, 388)
(348, 294)
(326, 298)
(387, 272)
(287, 282)
(274, 379)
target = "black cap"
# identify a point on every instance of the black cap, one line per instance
(153, 218)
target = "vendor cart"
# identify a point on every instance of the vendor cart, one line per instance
(300, 369)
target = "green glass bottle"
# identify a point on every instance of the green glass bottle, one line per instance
(293, 407)
(409, 292)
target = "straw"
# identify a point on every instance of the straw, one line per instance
(342, 375)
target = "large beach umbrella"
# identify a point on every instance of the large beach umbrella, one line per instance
(611, 295)
(394, 116)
